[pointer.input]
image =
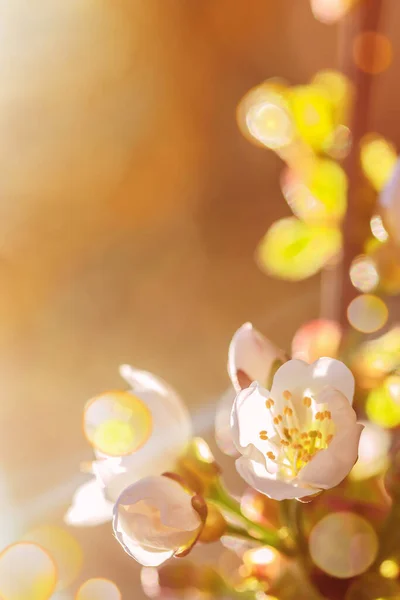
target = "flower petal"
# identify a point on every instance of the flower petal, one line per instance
(149, 384)
(329, 371)
(146, 557)
(297, 376)
(165, 494)
(329, 467)
(251, 357)
(89, 506)
(343, 414)
(249, 417)
(223, 432)
(258, 478)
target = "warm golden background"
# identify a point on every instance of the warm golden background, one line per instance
(130, 209)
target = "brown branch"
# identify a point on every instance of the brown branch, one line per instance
(356, 227)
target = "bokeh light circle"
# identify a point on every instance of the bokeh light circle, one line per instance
(343, 545)
(383, 403)
(373, 452)
(320, 196)
(317, 338)
(98, 589)
(271, 124)
(264, 117)
(27, 571)
(378, 159)
(294, 250)
(367, 313)
(329, 11)
(117, 423)
(312, 113)
(378, 229)
(389, 569)
(63, 548)
(364, 274)
(372, 52)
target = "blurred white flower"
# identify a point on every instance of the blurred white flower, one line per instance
(155, 519)
(89, 507)
(302, 436)
(251, 357)
(171, 432)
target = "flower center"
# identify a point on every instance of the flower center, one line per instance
(294, 442)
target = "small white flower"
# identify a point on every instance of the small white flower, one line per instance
(251, 358)
(154, 519)
(302, 436)
(171, 432)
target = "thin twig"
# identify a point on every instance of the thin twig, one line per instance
(356, 226)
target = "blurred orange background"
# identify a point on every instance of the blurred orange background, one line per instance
(131, 207)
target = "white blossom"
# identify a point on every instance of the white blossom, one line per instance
(171, 432)
(302, 436)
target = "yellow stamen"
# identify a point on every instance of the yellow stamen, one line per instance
(287, 395)
(271, 455)
(307, 401)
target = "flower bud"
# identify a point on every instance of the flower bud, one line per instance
(156, 518)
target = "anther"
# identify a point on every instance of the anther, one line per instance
(287, 395)
(307, 401)
(271, 455)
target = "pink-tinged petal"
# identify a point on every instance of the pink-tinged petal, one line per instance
(258, 478)
(223, 432)
(249, 417)
(251, 357)
(89, 506)
(329, 467)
